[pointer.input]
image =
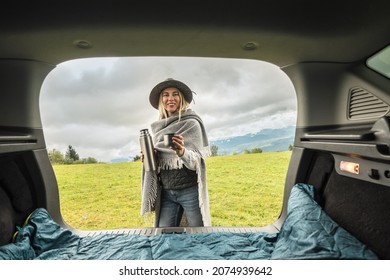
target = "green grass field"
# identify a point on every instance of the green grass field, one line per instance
(245, 190)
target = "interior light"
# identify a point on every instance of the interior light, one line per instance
(250, 46)
(82, 44)
(351, 167)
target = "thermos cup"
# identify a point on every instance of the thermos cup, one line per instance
(168, 139)
(147, 149)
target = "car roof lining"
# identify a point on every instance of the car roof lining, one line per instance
(188, 28)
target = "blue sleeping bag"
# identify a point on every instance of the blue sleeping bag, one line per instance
(307, 233)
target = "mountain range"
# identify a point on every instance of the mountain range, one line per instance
(269, 140)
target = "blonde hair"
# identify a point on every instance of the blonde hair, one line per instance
(183, 106)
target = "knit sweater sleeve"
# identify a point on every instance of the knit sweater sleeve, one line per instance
(190, 159)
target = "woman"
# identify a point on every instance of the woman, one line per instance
(178, 195)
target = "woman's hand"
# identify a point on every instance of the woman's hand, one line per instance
(178, 145)
(142, 156)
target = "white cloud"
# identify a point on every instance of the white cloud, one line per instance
(99, 105)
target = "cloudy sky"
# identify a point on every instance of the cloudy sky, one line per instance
(99, 105)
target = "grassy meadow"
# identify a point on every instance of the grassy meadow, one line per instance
(245, 190)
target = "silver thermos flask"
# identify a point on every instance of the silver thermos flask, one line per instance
(147, 148)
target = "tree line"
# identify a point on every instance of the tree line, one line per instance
(70, 157)
(214, 150)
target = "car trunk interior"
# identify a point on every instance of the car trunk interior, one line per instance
(358, 202)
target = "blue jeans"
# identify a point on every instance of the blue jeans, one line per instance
(174, 202)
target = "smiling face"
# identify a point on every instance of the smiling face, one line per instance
(171, 100)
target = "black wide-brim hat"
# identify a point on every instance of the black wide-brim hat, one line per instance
(154, 96)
